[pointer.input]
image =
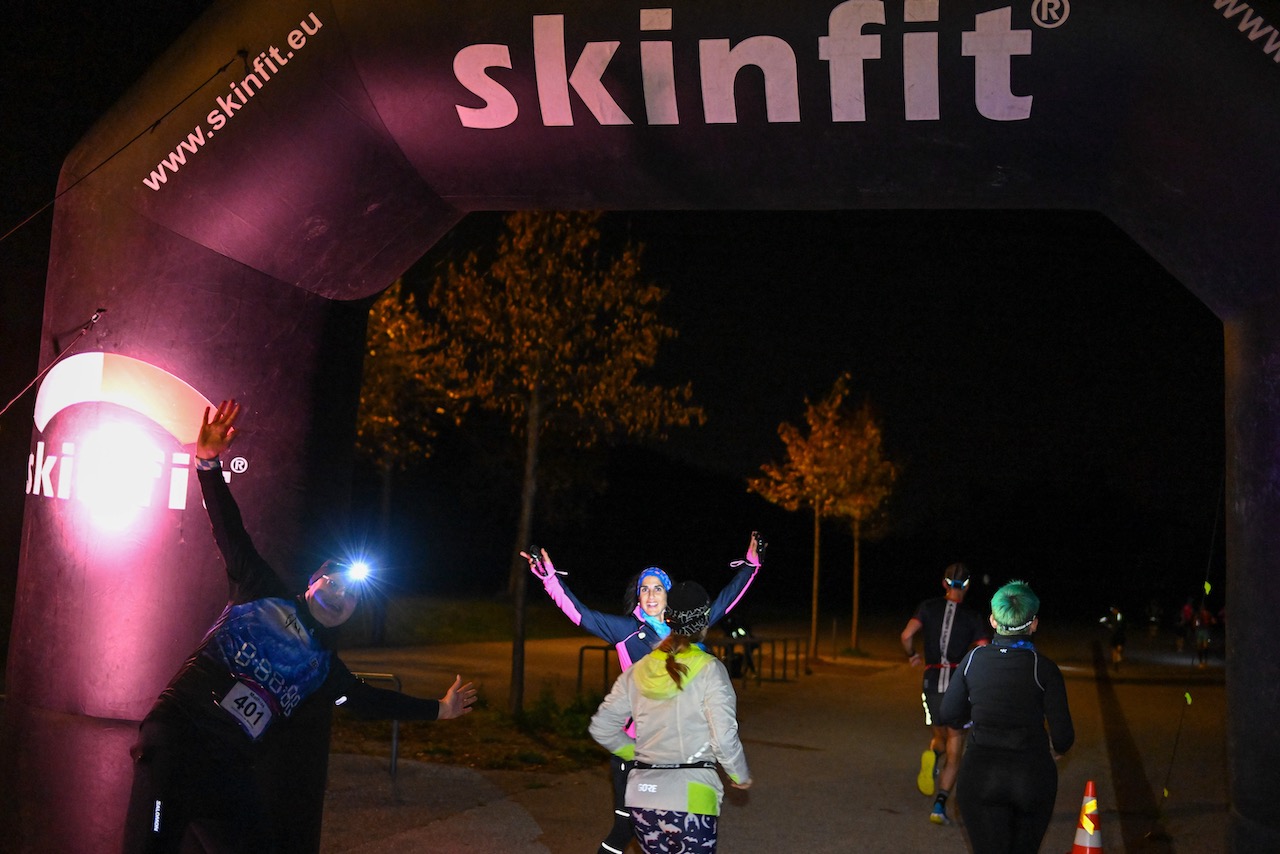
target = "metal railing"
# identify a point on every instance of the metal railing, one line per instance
(606, 649)
(395, 724)
(795, 652)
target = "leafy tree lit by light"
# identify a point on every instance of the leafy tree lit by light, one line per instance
(415, 383)
(560, 335)
(834, 468)
(866, 482)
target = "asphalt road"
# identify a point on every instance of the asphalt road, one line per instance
(834, 755)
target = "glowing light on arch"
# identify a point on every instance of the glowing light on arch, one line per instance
(125, 381)
(116, 467)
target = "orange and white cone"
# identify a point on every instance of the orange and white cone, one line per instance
(1088, 834)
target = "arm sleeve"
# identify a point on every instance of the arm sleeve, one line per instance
(609, 722)
(613, 628)
(733, 591)
(1062, 733)
(721, 709)
(244, 565)
(365, 701)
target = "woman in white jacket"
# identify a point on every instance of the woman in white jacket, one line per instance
(685, 714)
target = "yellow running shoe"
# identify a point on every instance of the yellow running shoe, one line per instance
(924, 780)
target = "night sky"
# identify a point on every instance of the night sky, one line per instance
(1051, 394)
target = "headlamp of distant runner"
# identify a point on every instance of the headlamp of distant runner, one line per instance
(956, 576)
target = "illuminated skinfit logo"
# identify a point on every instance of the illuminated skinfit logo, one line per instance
(846, 48)
(117, 468)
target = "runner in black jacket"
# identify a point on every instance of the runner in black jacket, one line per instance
(205, 749)
(948, 629)
(1008, 782)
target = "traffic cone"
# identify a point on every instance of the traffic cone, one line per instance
(1088, 834)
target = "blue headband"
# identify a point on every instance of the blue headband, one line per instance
(656, 572)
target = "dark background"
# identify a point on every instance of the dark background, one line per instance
(1052, 397)
(1051, 394)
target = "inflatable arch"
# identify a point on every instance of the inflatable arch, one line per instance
(286, 159)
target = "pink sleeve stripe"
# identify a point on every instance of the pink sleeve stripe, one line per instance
(552, 585)
(742, 592)
(624, 659)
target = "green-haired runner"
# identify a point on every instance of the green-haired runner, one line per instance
(1008, 689)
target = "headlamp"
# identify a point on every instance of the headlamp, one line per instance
(352, 572)
(1013, 630)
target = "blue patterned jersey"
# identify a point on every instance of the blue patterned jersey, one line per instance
(266, 645)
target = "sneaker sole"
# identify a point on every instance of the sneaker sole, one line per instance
(924, 780)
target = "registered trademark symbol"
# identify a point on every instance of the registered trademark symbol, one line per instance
(1050, 13)
(239, 465)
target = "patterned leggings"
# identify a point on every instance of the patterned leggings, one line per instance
(671, 832)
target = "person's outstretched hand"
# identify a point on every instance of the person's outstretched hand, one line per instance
(540, 564)
(457, 701)
(755, 549)
(216, 435)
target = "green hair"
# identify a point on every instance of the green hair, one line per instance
(1014, 606)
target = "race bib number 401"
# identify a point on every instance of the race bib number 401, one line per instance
(249, 710)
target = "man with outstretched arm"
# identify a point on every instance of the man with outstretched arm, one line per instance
(215, 760)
